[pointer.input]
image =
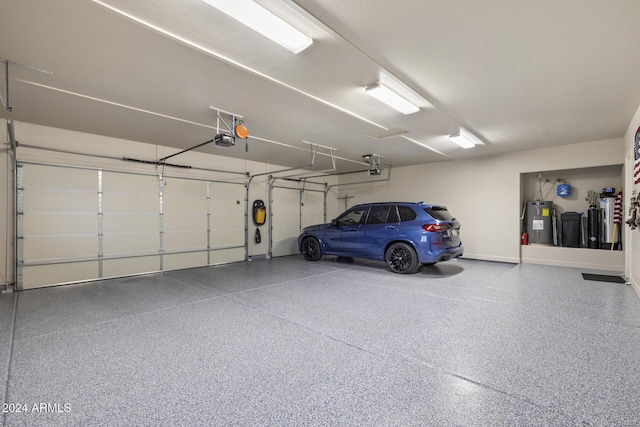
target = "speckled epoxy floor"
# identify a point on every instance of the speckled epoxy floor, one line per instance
(288, 342)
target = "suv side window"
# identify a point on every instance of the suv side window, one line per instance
(378, 215)
(393, 215)
(354, 216)
(406, 213)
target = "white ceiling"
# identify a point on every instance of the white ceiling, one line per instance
(517, 74)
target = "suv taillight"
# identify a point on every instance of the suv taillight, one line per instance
(436, 227)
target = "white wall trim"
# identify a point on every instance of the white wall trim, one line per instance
(481, 257)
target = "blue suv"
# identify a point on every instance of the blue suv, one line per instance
(402, 234)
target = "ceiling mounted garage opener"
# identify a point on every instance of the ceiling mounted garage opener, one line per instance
(236, 130)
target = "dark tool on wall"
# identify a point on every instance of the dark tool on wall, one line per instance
(259, 217)
(259, 212)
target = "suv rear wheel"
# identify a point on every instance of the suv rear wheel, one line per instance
(401, 258)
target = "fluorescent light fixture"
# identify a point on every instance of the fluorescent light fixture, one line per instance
(465, 139)
(259, 19)
(392, 99)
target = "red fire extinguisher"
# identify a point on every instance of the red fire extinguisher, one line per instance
(525, 238)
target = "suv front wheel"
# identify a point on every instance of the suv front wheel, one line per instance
(311, 249)
(401, 258)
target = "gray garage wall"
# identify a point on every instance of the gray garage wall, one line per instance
(484, 193)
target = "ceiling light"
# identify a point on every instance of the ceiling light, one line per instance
(392, 99)
(256, 17)
(465, 139)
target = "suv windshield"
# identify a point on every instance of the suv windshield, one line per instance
(439, 213)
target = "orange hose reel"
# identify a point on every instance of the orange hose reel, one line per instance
(241, 131)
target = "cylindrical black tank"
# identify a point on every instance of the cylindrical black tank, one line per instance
(571, 229)
(593, 225)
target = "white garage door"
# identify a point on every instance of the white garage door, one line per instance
(79, 224)
(312, 208)
(57, 225)
(291, 209)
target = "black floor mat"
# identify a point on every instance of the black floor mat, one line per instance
(603, 278)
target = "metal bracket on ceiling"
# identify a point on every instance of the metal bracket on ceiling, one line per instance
(314, 151)
(219, 119)
(236, 130)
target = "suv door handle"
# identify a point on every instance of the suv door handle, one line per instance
(390, 227)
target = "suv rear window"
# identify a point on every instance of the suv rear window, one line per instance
(406, 213)
(439, 213)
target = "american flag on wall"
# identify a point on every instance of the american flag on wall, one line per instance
(636, 158)
(617, 211)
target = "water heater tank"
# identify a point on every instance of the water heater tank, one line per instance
(540, 223)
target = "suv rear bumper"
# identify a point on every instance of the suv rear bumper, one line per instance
(443, 255)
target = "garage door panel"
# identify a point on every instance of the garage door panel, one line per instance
(185, 240)
(285, 220)
(47, 224)
(114, 203)
(293, 209)
(284, 247)
(287, 232)
(184, 188)
(44, 275)
(224, 237)
(226, 255)
(286, 195)
(130, 243)
(280, 220)
(54, 177)
(129, 266)
(285, 205)
(129, 183)
(123, 221)
(131, 222)
(59, 247)
(185, 222)
(312, 208)
(188, 260)
(221, 221)
(226, 207)
(224, 191)
(59, 201)
(184, 205)
(312, 220)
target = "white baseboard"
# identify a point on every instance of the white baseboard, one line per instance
(592, 259)
(635, 286)
(480, 257)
